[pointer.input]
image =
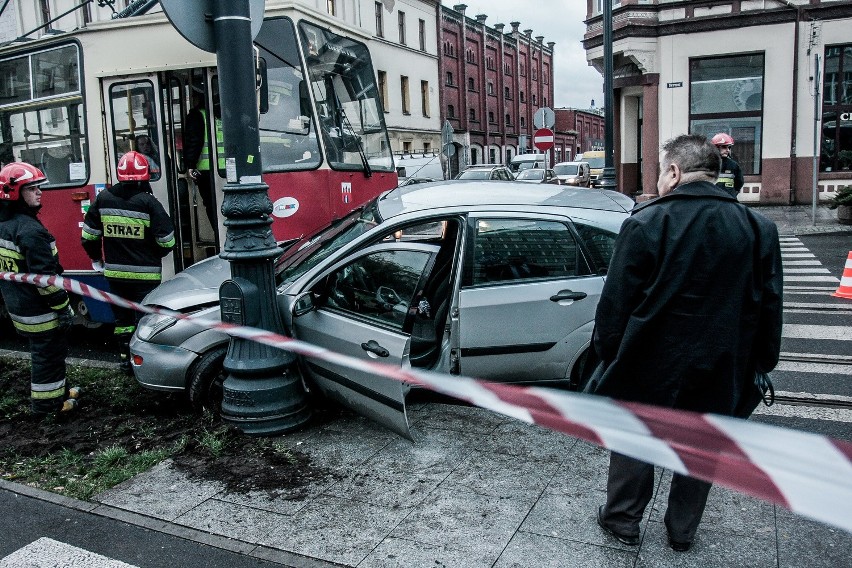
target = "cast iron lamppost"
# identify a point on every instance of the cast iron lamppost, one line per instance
(608, 176)
(262, 393)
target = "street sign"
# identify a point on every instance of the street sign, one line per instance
(449, 149)
(447, 133)
(543, 139)
(544, 118)
(193, 19)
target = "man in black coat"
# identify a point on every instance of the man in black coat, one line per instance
(691, 309)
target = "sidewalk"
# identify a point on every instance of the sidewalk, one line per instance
(475, 489)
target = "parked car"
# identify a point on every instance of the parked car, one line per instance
(597, 161)
(523, 162)
(413, 180)
(537, 175)
(486, 171)
(573, 173)
(472, 278)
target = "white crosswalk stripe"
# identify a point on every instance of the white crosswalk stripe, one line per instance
(49, 553)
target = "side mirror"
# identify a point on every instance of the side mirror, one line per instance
(303, 304)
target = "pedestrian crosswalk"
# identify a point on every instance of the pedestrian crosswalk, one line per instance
(48, 553)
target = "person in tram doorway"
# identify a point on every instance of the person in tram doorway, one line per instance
(126, 233)
(42, 315)
(196, 151)
(730, 176)
(677, 327)
(145, 146)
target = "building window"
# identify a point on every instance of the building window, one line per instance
(491, 117)
(427, 147)
(523, 71)
(383, 89)
(472, 115)
(470, 84)
(406, 147)
(522, 97)
(401, 26)
(450, 78)
(490, 88)
(403, 86)
(726, 95)
(523, 122)
(545, 101)
(492, 156)
(474, 156)
(534, 101)
(332, 7)
(380, 25)
(836, 150)
(451, 111)
(508, 120)
(424, 97)
(507, 93)
(422, 27)
(508, 70)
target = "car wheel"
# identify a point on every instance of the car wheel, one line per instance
(206, 379)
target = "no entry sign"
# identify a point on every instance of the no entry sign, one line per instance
(543, 139)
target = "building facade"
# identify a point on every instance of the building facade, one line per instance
(577, 131)
(493, 80)
(776, 75)
(404, 47)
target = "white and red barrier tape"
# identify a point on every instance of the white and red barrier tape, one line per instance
(806, 473)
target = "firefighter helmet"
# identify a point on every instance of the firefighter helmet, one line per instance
(722, 139)
(17, 175)
(133, 166)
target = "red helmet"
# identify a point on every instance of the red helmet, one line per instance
(16, 176)
(133, 166)
(722, 139)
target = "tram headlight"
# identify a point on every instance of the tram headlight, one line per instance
(152, 324)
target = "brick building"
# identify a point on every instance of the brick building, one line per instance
(492, 82)
(577, 131)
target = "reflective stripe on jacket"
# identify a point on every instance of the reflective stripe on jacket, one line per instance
(204, 158)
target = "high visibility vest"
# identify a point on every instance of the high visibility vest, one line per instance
(204, 158)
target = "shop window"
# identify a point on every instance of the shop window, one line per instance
(726, 95)
(836, 147)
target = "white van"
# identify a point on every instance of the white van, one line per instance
(527, 161)
(420, 166)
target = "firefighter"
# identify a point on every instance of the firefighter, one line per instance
(196, 152)
(137, 233)
(730, 177)
(42, 315)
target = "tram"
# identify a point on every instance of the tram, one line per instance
(73, 103)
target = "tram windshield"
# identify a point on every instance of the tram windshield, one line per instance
(41, 114)
(350, 113)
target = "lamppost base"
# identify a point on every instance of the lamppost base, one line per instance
(265, 406)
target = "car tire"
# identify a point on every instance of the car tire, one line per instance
(206, 379)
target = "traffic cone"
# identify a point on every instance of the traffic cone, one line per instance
(845, 288)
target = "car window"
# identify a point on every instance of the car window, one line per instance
(600, 244)
(506, 176)
(379, 286)
(474, 174)
(509, 250)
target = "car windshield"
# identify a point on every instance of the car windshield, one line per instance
(531, 174)
(595, 163)
(565, 170)
(308, 252)
(474, 174)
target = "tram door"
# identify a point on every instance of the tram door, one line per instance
(148, 114)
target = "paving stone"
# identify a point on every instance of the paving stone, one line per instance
(712, 548)
(458, 417)
(229, 519)
(497, 475)
(528, 440)
(403, 553)
(528, 549)
(803, 542)
(161, 492)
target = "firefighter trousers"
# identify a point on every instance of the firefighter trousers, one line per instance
(47, 373)
(126, 318)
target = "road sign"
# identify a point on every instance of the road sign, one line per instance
(193, 19)
(543, 139)
(447, 133)
(449, 149)
(544, 118)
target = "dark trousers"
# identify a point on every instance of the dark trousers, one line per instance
(630, 487)
(125, 318)
(47, 372)
(205, 185)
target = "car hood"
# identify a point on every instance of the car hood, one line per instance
(195, 287)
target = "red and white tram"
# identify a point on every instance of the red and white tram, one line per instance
(73, 103)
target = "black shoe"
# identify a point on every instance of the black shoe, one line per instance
(629, 540)
(679, 546)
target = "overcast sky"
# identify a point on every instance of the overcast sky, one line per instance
(561, 21)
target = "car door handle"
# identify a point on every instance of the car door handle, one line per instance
(373, 347)
(567, 295)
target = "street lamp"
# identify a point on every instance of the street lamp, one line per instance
(608, 175)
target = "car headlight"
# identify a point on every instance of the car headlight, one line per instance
(152, 324)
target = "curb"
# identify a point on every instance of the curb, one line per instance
(282, 557)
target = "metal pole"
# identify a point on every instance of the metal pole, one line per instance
(817, 137)
(263, 394)
(608, 175)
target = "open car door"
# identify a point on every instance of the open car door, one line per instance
(365, 307)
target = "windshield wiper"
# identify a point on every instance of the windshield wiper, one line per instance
(368, 171)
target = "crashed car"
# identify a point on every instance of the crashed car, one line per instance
(470, 278)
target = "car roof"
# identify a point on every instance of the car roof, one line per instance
(570, 163)
(477, 194)
(484, 166)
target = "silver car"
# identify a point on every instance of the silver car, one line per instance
(472, 278)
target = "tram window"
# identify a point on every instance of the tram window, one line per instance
(350, 115)
(288, 140)
(134, 122)
(37, 125)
